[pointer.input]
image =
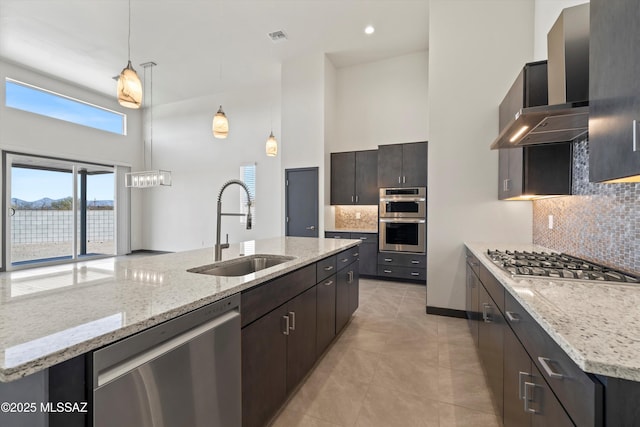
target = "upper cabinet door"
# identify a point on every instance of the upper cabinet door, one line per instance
(414, 165)
(390, 165)
(367, 177)
(614, 90)
(343, 176)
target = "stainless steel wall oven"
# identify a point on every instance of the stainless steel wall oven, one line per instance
(403, 223)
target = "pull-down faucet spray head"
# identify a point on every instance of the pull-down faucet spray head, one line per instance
(249, 219)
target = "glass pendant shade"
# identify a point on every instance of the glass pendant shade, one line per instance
(272, 146)
(220, 125)
(129, 88)
(147, 179)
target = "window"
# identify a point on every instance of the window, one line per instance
(248, 176)
(60, 210)
(23, 96)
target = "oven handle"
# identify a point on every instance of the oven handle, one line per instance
(404, 220)
(403, 199)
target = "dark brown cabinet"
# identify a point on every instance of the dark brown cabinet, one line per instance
(347, 290)
(404, 266)
(354, 178)
(326, 313)
(614, 91)
(368, 249)
(301, 340)
(490, 344)
(533, 170)
(403, 165)
(471, 306)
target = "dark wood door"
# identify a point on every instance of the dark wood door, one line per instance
(264, 368)
(343, 178)
(545, 406)
(354, 286)
(517, 370)
(326, 313)
(414, 164)
(614, 90)
(301, 343)
(390, 165)
(301, 202)
(342, 298)
(490, 344)
(366, 185)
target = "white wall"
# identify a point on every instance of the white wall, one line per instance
(29, 133)
(183, 216)
(546, 14)
(476, 50)
(303, 118)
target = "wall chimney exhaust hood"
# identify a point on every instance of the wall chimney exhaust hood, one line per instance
(566, 118)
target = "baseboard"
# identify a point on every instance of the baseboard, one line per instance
(449, 312)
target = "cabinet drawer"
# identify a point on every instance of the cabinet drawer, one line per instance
(337, 234)
(325, 268)
(473, 262)
(580, 395)
(495, 288)
(367, 238)
(402, 272)
(258, 301)
(402, 260)
(345, 258)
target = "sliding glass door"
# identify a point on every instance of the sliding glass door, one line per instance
(59, 210)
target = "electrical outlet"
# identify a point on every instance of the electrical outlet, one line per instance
(357, 215)
(550, 222)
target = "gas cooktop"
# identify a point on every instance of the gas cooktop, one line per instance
(556, 265)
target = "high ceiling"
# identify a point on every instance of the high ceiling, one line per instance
(202, 46)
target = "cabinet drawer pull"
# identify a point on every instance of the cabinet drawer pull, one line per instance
(414, 261)
(529, 398)
(388, 260)
(544, 361)
(398, 180)
(328, 283)
(345, 260)
(350, 277)
(513, 317)
(328, 268)
(387, 271)
(521, 381)
(286, 325)
(351, 199)
(292, 314)
(413, 273)
(635, 135)
(485, 312)
(356, 254)
(356, 199)
(363, 238)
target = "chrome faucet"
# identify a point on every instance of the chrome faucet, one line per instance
(219, 247)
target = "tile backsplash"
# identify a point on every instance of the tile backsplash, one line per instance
(600, 222)
(357, 217)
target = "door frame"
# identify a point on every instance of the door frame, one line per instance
(286, 196)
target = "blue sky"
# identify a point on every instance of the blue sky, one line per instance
(33, 184)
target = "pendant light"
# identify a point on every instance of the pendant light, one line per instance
(129, 86)
(220, 124)
(272, 146)
(148, 178)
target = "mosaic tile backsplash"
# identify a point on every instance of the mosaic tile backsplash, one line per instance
(600, 222)
(357, 217)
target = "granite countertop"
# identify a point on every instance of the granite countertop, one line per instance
(596, 324)
(52, 314)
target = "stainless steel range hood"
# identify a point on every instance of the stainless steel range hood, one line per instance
(566, 118)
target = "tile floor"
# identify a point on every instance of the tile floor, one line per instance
(394, 365)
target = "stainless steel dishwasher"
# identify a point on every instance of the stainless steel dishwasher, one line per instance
(184, 372)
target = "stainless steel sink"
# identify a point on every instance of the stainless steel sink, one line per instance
(241, 266)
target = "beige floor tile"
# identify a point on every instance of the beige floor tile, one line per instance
(459, 357)
(466, 389)
(457, 416)
(290, 418)
(404, 373)
(385, 408)
(363, 339)
(422, 349)
(353, 364)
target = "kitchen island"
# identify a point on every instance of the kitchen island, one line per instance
(582, 336)
(52, 315)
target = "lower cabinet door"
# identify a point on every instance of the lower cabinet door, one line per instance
(490, 345)
(472, 303)
(517, 370)
(326, 313)
(354, 287)
(545, 406)
(342, 298)
(264, 368)
(368, 257)
(301, 343)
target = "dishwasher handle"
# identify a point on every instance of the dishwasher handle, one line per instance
(114, 371)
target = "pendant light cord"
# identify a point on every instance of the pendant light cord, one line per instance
(129, 36)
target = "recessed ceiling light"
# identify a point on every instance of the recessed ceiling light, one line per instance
(369, 29)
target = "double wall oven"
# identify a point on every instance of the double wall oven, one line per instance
(403, 220)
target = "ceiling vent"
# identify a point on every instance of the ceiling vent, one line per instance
(278, 36)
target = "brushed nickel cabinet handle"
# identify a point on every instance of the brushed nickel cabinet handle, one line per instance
(292, 314)
(328, 283)
(413, 273)
(286, 325)
(521, 381)
(388, 260)
(544, 361)
(415, 261)
(328, 268)
(345, 260)
(529, 398)
(485, 312)
(513, 317)
(387, 271)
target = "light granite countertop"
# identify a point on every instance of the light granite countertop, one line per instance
(52, 314)
(596, 324)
